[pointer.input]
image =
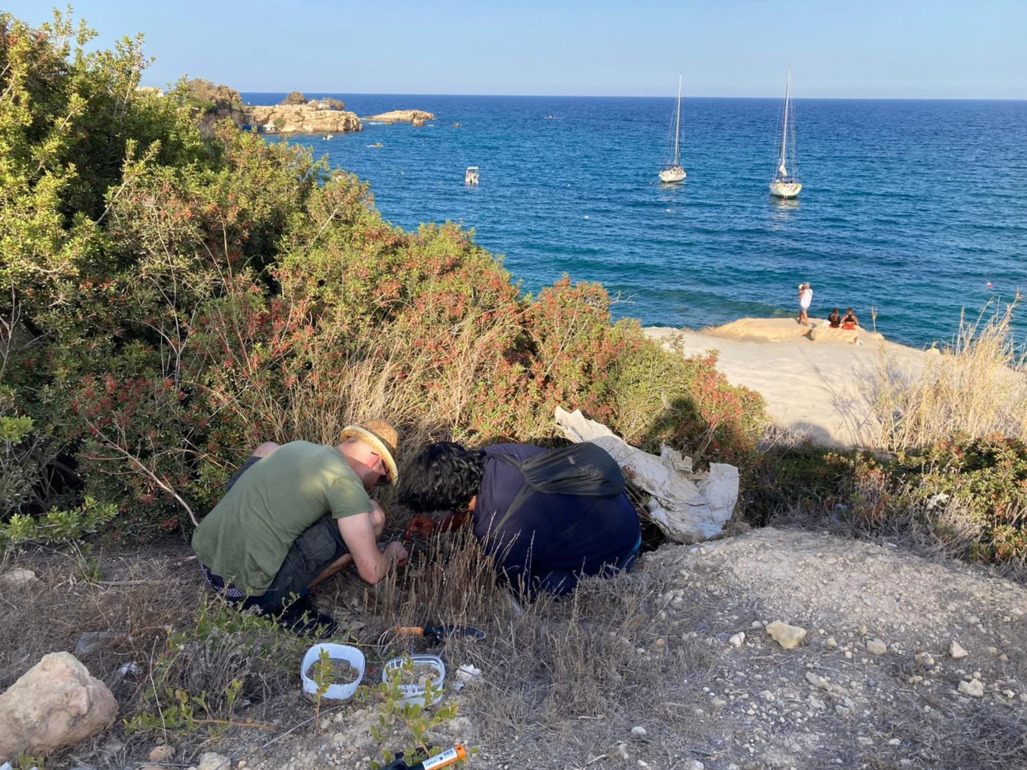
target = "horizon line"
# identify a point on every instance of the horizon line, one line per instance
(653, 96)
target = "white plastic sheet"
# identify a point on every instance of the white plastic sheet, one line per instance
(687, 506)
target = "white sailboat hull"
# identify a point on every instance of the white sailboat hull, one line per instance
(785, 189)
(673, 174)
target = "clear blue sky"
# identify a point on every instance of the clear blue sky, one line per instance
(837, 48)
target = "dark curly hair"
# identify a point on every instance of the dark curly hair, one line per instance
(442, 477)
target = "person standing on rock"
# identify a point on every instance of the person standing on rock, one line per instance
(296, 514)
(805, 300)
(547, 517)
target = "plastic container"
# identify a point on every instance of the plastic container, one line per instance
(336, 692)
(414, 693)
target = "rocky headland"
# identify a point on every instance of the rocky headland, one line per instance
(302, 119)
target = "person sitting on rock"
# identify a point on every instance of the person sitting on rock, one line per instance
(293, 516)
(850, 321)
(835, 320)
(542, 541)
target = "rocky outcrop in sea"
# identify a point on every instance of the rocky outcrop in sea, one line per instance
(417, 117)
(302, 119)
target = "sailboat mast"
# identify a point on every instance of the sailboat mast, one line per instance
(784, 131)
(677, 127)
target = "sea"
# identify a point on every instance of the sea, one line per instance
(912, 212)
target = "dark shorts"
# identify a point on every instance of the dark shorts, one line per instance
(312, 553)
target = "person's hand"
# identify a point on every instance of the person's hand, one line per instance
(420, 525)
(396, 553)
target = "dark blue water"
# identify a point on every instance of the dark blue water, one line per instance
(909, 207)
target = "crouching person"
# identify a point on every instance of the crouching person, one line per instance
(547, 517)
(293, 516)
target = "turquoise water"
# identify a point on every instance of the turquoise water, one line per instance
(909, 207)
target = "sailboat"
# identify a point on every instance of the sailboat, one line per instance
(785, 184)
(673, 172)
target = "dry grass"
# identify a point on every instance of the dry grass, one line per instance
(977, 386)
(574, 671)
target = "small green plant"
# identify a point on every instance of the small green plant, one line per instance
(26, 761)
(56, 526)
(412, 720)
(321, 672)
(206, 670)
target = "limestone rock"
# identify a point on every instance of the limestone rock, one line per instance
(877, 647)
(403, 116)
(214, 761)
(737, 640)
(19, 578)
(956, 651)
(56, 703)
(163, 753)
(303, 119)
(974, 688)
(787, 636)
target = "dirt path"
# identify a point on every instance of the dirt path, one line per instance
(873, 684)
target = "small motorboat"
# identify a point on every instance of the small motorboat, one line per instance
(471, 176)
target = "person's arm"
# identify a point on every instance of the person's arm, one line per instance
(373, 564)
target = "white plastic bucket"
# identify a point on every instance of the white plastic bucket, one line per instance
(335, 692)
(414, 693)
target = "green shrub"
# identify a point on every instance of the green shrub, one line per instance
(177, 299)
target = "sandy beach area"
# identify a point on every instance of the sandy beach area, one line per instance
(814, 379)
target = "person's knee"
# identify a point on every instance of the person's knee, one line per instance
(377, 519)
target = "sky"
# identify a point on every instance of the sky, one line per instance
(957, 49)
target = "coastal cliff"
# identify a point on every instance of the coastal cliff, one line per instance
(417, 117)
(303, 119)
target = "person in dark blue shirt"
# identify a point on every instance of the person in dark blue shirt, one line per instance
(543, 544)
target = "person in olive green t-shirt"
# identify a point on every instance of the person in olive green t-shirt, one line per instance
(297, 514)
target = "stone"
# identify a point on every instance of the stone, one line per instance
(56, 703)
(695, 764)
(974, 688)
(163, 753)
(831, 642)
(213, 761)
(19, 578)
(638, 731)
(817, 681)
(877, 647)
(737, 640)
(956, 650)
(786, 635)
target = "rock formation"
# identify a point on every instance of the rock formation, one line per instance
(212, 103)
(402, 116)
(302, 119)
(56, 703)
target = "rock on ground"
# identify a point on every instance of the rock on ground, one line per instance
(56, 703)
